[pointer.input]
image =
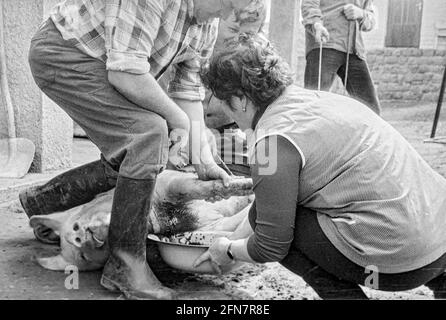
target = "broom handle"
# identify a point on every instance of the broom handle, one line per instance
(320, 68)
(349, 42)
(10, 120)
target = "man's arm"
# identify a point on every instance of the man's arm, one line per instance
(200, 152)
(187, 90)
(312, 20)
(311, 12)
(366, 15)
(143, 90)
(369, 22)
(128, 55)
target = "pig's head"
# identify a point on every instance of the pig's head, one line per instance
(83, 235)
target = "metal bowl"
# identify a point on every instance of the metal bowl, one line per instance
(182, 256)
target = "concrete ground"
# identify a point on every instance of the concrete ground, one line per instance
(22, 278)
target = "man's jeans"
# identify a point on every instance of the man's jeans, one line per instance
(359, 83)
(131, 138)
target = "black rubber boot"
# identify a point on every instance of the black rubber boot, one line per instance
(68, 190)
(127, 269)
(326, 285)
(438, 286)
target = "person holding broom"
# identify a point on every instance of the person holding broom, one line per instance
(335, 46)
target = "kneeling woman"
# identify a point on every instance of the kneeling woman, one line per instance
(342, 199)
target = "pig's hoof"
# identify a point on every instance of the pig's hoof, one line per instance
(46, 235)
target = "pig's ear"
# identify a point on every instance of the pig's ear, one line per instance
(53, 221)
(56, 263)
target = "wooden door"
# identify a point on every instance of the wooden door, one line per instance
(404, 23)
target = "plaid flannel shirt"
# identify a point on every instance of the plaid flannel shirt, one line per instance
(141, 36)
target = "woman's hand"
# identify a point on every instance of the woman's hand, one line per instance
(217, 255)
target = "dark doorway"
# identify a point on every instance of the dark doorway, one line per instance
(404, 23)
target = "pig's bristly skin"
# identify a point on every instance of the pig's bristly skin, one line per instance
(174, 218)
(194, 189)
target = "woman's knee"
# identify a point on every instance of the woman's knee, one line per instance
(297, 262)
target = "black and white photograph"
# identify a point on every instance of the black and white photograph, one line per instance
(241, 151)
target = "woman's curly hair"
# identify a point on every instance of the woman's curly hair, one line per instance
(251, 67)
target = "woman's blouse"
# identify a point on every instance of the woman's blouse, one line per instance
(378, 201)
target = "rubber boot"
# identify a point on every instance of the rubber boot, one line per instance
(126, 269)
(438, 286)
(326, 285)
(68, 190)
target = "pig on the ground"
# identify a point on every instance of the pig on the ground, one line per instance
(180, 203)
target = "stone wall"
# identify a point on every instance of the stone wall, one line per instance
(407, 74)
(37, 118)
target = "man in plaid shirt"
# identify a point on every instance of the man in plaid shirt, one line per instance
(99, 60)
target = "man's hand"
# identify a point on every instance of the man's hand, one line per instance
(321, 33)
(179, 121)
(353, 12)
(179, 137)
(211, 171)
(178, 155)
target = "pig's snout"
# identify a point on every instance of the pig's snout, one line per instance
(83, 237)
(76, 236)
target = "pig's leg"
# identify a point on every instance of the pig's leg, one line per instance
(244, 229)
(170, 218)
(187, 187)
(227, 223)
(223, 215)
